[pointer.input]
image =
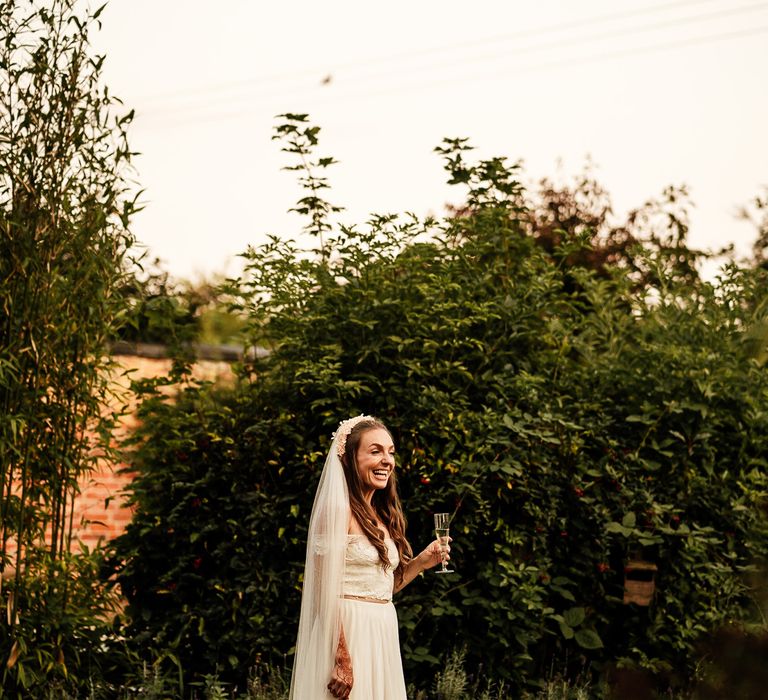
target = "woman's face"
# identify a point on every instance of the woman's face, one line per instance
(375, 459)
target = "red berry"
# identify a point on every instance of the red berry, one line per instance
(425, 480)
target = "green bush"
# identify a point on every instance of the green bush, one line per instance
(66, 634)
(571, 415)
(65, 204)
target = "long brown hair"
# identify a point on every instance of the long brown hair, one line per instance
(385, 504)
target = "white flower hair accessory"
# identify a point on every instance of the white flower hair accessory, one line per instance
(344, 429)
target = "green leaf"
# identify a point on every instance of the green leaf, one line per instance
(565, 593)
(588, 639)
(629, 520)
(647, 541)
(648, 420)
(566, 630)
(618, 528)
(574, 616)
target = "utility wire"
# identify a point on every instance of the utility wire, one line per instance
(597, 57)
(485, 76)
(589, 39)
(551, 29)
(518, 51)
(315, 73)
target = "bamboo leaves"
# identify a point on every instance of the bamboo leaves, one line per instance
(63, 250)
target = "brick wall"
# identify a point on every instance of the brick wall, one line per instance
(100, 512)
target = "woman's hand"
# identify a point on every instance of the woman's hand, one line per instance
(430, 557)
(434, 554)
(342, 678)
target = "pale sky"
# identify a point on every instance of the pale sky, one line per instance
(654, 93)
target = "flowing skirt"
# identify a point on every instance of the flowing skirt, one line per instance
(374, 647)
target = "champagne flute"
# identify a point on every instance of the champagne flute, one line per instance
(442, 524)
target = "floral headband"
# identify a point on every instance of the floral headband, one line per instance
(344, 429)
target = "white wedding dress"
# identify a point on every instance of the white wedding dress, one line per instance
(370, 628)
(340, 571)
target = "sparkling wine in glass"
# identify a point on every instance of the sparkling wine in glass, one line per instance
(442, 524)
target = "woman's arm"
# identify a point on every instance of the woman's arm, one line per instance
(341, 678)
(431, 556)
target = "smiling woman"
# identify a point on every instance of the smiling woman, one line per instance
(357, 556)
(376, 460)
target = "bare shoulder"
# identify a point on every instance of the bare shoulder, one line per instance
(354, 527)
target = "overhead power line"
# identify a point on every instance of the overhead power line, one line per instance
(408, 73)
(597, 57)
(315, 73)
(591, 38)
(485, 76)
(529, 33)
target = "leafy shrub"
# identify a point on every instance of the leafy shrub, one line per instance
(65, 635)
(571, 416)
(65, 204)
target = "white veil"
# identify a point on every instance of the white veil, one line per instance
(320, 618)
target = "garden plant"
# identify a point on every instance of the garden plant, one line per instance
(574, 392)
(65, 202)
(567, 385)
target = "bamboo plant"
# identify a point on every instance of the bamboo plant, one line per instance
(65, 203)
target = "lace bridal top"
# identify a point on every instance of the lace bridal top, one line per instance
(364, 574)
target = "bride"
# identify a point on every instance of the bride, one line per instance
(357, 556)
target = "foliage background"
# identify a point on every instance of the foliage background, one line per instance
(572, 390)
(65, 202)
(567, 386)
